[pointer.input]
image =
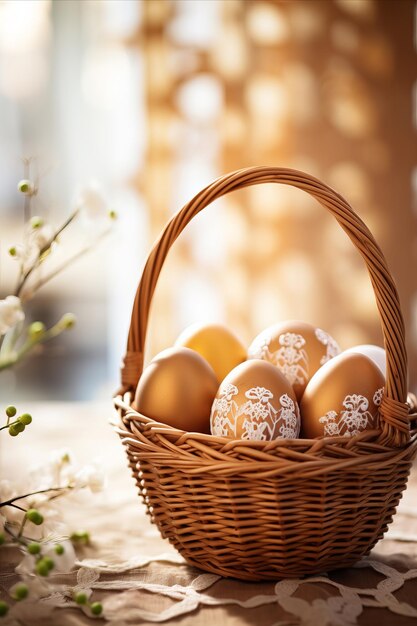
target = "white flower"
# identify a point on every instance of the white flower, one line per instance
(10, 313)
(92, 203)
(63, 562)
(56, 472)
(90, 476)
(42, 236)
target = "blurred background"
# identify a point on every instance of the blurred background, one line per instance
(156, 98)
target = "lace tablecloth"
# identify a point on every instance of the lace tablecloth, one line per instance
(141, 579)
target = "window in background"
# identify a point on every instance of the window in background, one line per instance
(71, 98)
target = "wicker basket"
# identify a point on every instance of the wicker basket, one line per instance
(284, 508)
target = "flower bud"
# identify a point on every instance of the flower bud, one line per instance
(11, 411)
(80, 536)
(80, 597)
(25, 419)
(13, 251)
(36, 330)
(112, 215)
(67, 321)
(19, 591)
(4, 607)
(26, 186)
(36, 222)
(42, 568)
(96, 608)
(13, 430)
(34, 547)
(19, 427)
(59, 549)
(49, 562)
(34, 516)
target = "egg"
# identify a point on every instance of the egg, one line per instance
(255, 401)
(342, 398)
(298, 349)
(177, 388)
(215, 343)
(375, 353)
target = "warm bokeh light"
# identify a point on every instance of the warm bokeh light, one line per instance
(158, 98)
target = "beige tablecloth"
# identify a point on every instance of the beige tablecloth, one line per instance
(154, 585)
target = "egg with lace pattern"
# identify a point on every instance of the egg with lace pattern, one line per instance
(177, 388)
(297, 348)
(255, 402)
(342, 398)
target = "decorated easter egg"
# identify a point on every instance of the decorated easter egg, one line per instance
(375, 353)
(217, 344)
(342, 398)
(177, 388)
(298, 349)
(255, 401)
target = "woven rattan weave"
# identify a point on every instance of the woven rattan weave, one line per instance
(284, 508)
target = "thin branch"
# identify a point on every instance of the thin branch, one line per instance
(26, 296)
(45, 248)
(16, 506)
(32, 493)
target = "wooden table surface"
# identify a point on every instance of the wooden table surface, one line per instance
(120, 531)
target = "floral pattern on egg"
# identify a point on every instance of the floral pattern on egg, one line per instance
(343, 397)
(262, 422)
(298, 350)
(255, 402)
(353, 419)
(332, 347)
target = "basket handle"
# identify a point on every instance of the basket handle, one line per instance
(395, 430)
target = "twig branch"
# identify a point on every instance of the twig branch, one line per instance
(27, 295)
(45, 248)
(32, 493)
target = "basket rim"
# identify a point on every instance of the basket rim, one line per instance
(201, 453)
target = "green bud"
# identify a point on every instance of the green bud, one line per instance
(49, 562)
(25, 419)
(13, 430)
(42, 568)
(13, 251)
(80, 597)
(59, 549)
(19, 426)
(96, 608)
(112, 215)
(4, 607)
(65, 458)
(2, 539)
(11, 411)
(36, 329)
(26, 186)
(20, 591)
(67, 321)
(34, 516)
(34, 547)
(81, 536)
(36, 222)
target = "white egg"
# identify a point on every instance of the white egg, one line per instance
(375, 353)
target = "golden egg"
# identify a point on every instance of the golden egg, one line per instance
(177, 388)
(342, 398)
(375, 353)
(215, 343)
(255, 401)
(298, 349)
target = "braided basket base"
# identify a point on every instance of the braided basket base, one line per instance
(258, 512)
